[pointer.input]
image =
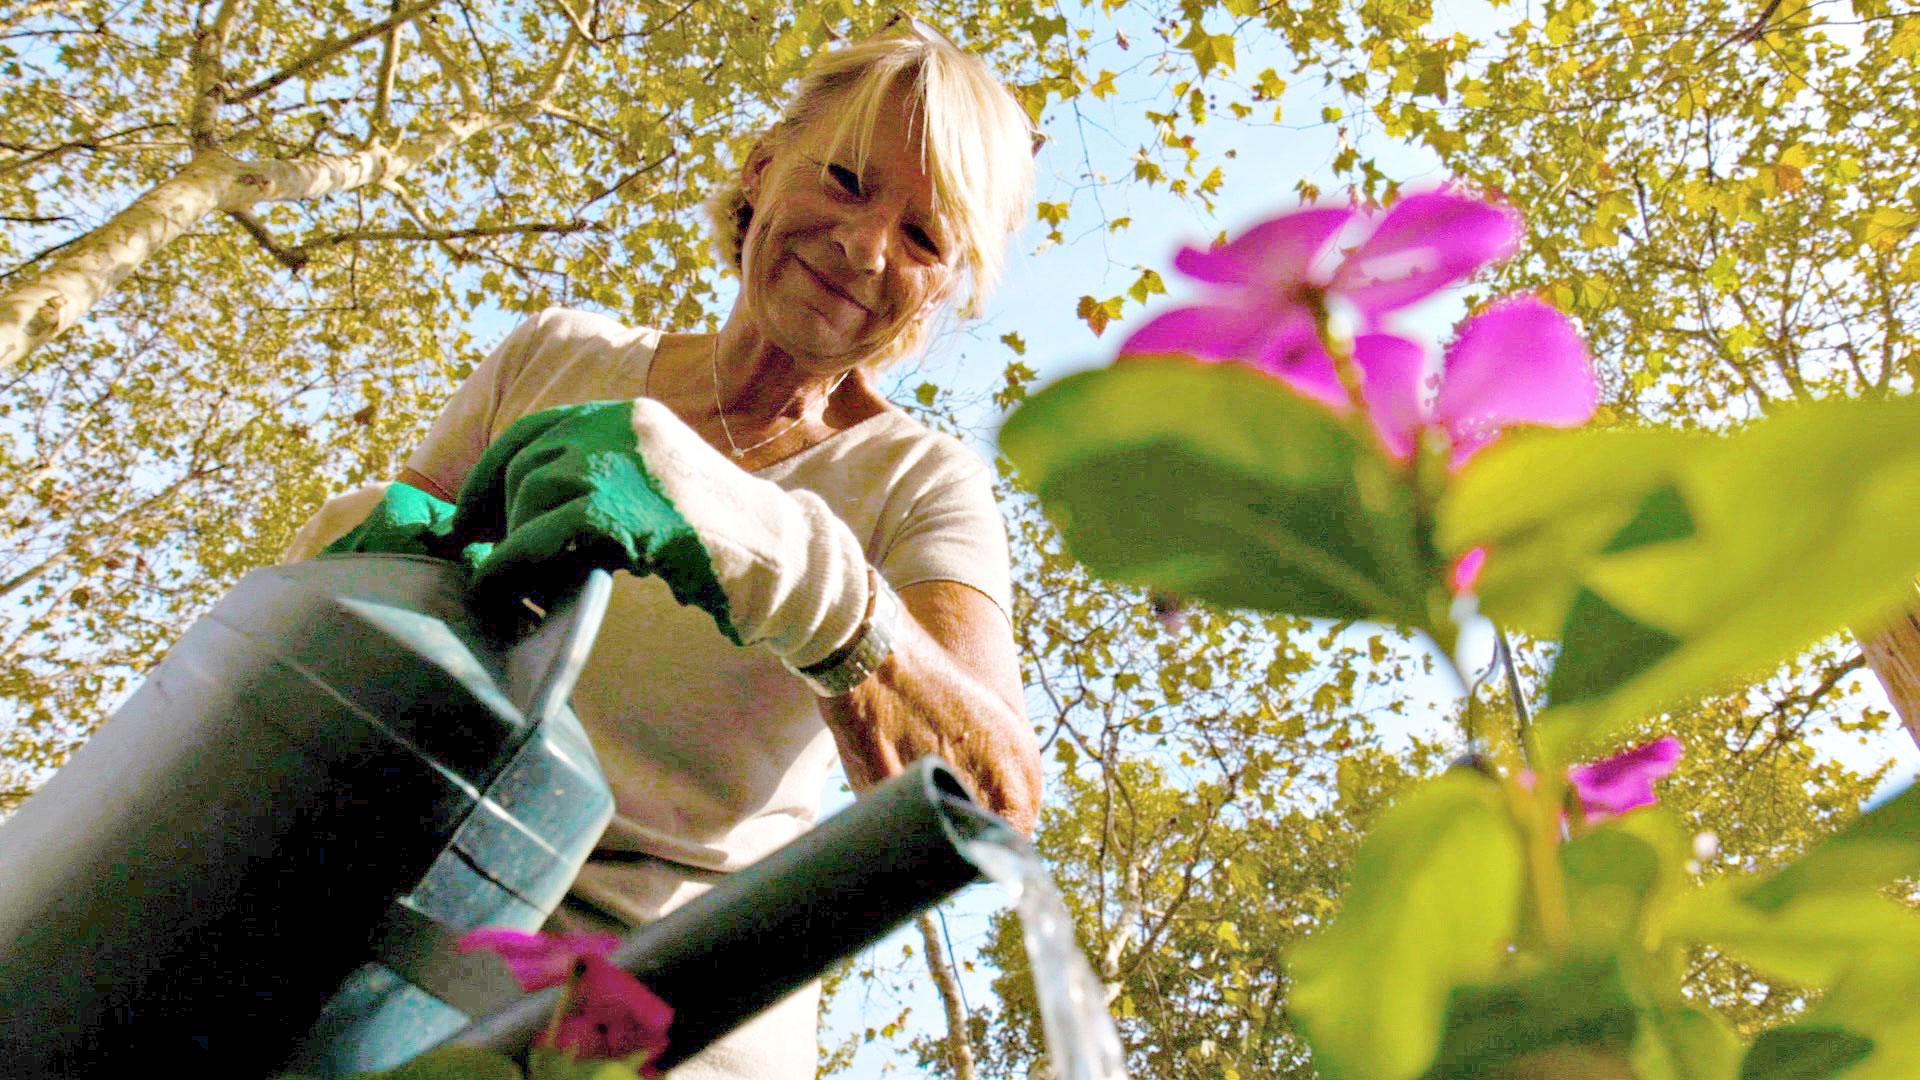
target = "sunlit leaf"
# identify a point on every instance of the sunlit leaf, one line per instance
(1218, 483)
(1435, 898)
(1688, 563)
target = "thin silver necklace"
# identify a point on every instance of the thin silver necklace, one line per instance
(742, 451)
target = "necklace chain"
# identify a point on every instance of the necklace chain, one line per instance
(742, 451)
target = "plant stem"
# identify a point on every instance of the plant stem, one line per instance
(1521, 714)
(1538, 815)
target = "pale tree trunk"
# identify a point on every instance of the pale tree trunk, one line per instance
(54, 299)
(1894, 655)
(959, 1044)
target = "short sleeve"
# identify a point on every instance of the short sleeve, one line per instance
(464, 428)
(954, 532)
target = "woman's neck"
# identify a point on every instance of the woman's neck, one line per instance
(756, 382)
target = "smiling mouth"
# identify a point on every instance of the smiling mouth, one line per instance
(825, 283)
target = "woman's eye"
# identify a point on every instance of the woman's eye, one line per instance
(845, 178)
(926, 243)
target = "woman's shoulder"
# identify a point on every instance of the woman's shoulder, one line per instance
(893, 449)
(558, 354)
(572, 329)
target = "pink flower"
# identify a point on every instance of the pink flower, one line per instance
(607, 1013)
(1520, 361)
(1466, 570)
(1270, 282)
(1615, 785)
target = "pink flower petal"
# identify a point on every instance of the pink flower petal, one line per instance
(1271, 253)
(1209, 332)
(1424, 243)
(1518, 362)
(538, 960)
(613, 1015)
(1280, 342)
(1624, 781)
(1393, 382)
(1297, 357)
(1466, 570)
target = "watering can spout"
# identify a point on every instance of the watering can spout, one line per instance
(783, 921)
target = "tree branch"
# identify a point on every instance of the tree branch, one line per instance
(959, 1046)
(289, 258)
(644, 169)
(585, 124)
(356, 236)
(34, 313)
(579, 25)
(383, 87)
(209, 72)
(456, 252)
(326, 51)
(438, 48)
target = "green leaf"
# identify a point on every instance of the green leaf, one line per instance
(454, 1063)
(1601, 649)
(1813, 941)
(1875, 1001)
(1673, 566)
(1548, 502)
(1434, 901)
(1216, 482)
(1878, 848)
(1684, 1043)
(1803, 1052)
(1581, 1004)
(1612, 875)
(547, 1063)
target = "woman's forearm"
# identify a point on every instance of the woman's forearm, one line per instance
(951, 687)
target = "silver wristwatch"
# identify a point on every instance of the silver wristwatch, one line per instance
(852, 663)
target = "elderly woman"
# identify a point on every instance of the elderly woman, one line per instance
(845, 569)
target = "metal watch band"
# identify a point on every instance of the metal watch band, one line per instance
(860, 658)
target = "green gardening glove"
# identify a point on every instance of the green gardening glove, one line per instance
(626, 485)
(407, 521)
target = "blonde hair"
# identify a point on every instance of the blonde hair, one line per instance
(976, 144)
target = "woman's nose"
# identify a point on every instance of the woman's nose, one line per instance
(862, 238)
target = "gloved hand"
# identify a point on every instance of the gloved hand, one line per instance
(625, 485)
(408, 521)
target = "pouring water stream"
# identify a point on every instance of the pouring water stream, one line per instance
(1081, 1040)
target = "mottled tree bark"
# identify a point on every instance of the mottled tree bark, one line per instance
(1893, 652)
(959, 1044)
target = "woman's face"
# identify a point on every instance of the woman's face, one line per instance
(837, 263)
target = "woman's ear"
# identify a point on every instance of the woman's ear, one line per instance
(754, 170)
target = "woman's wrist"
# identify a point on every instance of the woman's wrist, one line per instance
(871, 644)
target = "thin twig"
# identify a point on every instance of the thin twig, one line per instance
(1521, 713)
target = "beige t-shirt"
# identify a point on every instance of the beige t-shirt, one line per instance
(715, 753)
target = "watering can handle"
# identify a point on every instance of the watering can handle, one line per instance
(545, 663)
